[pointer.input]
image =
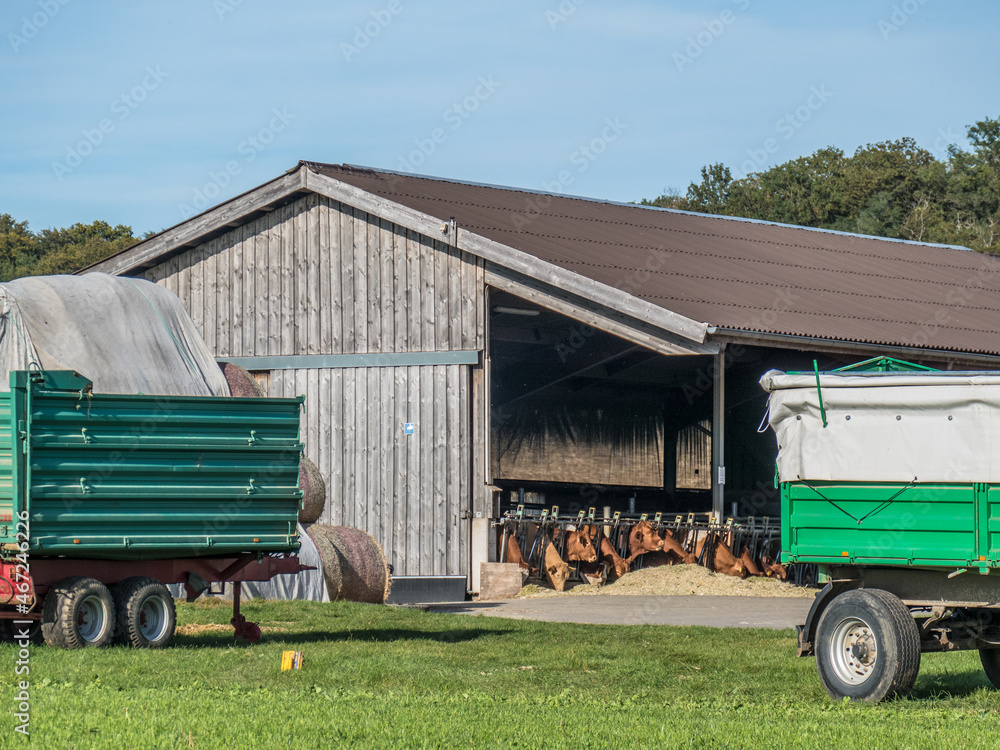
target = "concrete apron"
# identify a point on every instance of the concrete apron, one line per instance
(712, 611)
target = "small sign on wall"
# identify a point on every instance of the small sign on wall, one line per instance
(409, 428)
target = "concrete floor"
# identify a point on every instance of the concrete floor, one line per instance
(712, 611)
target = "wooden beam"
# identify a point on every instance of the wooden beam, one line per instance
(593, 314)
(192, 231)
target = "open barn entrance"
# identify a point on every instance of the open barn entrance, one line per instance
(583, 419)
(580, 419)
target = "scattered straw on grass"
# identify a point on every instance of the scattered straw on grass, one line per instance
(678, 580)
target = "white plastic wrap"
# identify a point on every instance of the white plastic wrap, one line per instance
(887, 427)
(126, 335)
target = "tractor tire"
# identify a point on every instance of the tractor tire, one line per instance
(78, 613)
(145, 616)
(867, 646)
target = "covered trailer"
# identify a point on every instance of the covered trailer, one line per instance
(125, 466)
(890, 482)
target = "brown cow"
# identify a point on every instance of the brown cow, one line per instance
(579, 546)
(616, 566)
(672, 554)
(721, 559)
(642, 539)
(770, 561)
(514, 555)
(556, 569)
(747, 559)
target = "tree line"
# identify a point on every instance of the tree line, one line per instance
(50, 251)
(890, 189)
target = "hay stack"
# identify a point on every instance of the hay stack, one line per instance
(313, 492)
(354, 565)
(241, 382)
(242, 385)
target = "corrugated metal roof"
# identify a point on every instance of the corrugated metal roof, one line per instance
(729, 273)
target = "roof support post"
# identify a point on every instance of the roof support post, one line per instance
(719, 434)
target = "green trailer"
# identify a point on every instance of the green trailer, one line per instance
(890, 483)
(105, 499)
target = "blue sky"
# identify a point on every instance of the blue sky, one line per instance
(142, 112)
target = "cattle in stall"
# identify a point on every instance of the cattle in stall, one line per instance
(747, 559)
(642, 539)
(671, 554)
(769, 561)
(719, 557)
(579, 545)
(614, 565)
(514, 555)
(556, 569)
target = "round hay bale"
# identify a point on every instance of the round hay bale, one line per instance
(241, 382)
(354, 565)
(313, 492)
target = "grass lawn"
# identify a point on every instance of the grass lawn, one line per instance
(386, 677)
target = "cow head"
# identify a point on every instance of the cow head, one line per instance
(579, 546)
(644, 539)
(556, 570)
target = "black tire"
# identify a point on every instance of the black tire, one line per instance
(145, 616)
(990, 657)
(867, 646)
(78, 613)
(8, 630)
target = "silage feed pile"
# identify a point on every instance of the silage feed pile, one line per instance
(354, 564)
(679, 580)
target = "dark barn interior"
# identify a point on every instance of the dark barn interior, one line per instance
(583, 419)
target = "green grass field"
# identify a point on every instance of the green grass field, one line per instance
(386, 677)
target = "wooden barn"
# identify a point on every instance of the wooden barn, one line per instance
(465, 347)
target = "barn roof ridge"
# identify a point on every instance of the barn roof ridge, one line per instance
(626, 204)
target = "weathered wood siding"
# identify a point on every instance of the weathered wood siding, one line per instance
(319, 277)
(409, 491)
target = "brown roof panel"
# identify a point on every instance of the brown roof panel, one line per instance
(729, 273)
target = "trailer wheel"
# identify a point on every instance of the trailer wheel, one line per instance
(78, 613)
(990, 657)
(145, 613)
(868, 646)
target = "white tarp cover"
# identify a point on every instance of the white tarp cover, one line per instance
(307, 585)
(887, 427)
(126, 335)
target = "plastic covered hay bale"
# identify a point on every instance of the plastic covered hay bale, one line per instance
(241, 382)
(353, 563)
(313, 492)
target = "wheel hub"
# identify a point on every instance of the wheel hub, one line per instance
(853, 651)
